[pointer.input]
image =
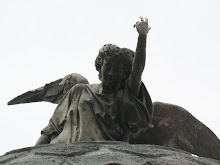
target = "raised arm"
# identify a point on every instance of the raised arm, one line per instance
(134, 81)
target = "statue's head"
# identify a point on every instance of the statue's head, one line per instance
(114, 65)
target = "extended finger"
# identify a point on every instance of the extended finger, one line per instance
(142, 19)
(146, 20)
(136, 23)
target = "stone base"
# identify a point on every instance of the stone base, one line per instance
(102, 153)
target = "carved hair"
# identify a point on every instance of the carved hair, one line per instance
(114, 54)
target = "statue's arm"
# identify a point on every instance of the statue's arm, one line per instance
(134, 80)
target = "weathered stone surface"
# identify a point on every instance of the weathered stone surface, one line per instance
(175, 127)
(102, 153)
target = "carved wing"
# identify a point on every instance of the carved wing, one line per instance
(52, 92)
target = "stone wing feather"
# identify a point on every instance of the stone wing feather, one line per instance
(52, 92)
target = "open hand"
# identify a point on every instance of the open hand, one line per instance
(142, 27)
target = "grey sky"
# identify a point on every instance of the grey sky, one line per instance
(44, 40)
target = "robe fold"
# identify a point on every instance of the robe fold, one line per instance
(85, 115)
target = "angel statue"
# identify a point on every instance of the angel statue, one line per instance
(118, 109)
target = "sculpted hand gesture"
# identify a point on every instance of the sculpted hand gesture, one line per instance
(142, 27)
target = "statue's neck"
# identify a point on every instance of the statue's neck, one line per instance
(102, 90)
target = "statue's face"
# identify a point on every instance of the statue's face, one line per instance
(112, 76)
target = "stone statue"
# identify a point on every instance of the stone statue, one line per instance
(119, 108)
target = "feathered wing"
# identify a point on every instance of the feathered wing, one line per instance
(52, 92)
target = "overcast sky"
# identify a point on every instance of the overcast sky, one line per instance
(44, 40)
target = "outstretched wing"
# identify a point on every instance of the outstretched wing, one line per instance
(52, 92)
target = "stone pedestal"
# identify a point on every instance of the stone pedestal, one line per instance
(102, 153)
